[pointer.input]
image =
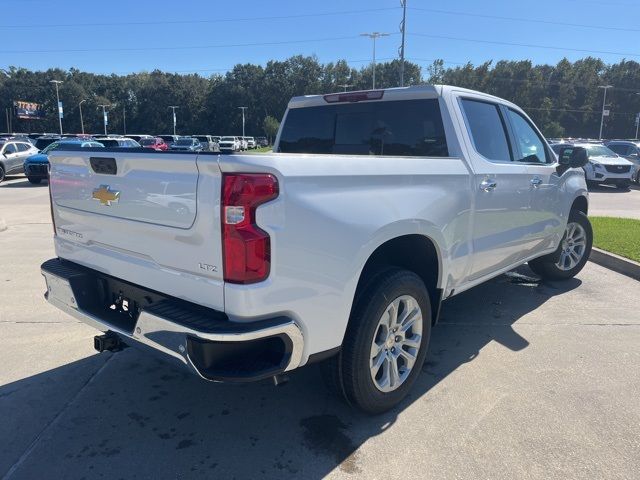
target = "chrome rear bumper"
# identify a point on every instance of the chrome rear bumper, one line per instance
(170, 328)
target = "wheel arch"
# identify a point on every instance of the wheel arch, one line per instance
(581, 204)
(414, 252)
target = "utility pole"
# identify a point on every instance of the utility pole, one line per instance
(637, 121)
(243, 109)
(124, 118)
(345, 86)
(56, 83)
(104, 117)
(604, 106)
(6, 111)
(173, 109)
(403, 3)
(81, 120)
(374, 36)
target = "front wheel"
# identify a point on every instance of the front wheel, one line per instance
(572, 253)
(623, 185)
(34, 180)
(385, 344)
(1, 173)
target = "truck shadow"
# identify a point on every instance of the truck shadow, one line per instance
(128, 415)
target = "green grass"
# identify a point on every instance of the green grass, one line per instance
(260, 150)
(617, 235)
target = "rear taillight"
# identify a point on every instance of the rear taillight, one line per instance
(246, 247)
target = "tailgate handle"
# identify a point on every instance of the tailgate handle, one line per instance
(105, 166)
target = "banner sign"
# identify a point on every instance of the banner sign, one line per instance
(60, 111)
(28, 110)
(106, 118)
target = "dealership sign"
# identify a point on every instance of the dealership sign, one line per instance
(28, 110)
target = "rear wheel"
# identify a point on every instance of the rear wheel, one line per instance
(1, 173)
(572, 253)
(34, 180)
(385, 344)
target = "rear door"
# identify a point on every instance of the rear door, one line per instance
(502, 216)
(139, 216)
(11, 157)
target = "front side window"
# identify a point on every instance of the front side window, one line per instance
(393, 128)
(9, 149)
(487, 130)
(621, 149)
(531, 146)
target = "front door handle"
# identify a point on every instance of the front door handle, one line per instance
(536, 182)
(488, 185)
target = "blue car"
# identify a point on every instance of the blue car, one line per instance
(36, 167)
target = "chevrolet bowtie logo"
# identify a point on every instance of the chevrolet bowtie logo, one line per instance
(105, 195)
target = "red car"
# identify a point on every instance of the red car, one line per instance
(156, 143)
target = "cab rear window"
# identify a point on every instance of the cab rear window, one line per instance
(403, 128)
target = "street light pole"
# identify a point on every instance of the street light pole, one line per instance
(81, 120)
(604, 106)
(374, 36)
(403, 25)
(104, 117)
(56, 83)
(243, 109)
(173, 109)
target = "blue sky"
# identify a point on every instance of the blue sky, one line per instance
(44, 33)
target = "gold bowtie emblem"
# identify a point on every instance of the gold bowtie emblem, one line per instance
(105, 195)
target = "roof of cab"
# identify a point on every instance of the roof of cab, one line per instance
(396, 93)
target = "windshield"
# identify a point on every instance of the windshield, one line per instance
(228, 139)
(185, 141)
(600, 151)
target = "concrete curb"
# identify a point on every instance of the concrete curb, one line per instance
(616, 263)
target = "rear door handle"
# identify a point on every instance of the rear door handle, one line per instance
(536, 182)
(488, 185)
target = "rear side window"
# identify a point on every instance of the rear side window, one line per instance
(22, 147)
(487, 129)
(403, 128)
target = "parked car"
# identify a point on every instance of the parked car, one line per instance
(169, 139)
(228, 144)
(262, 142)
(340, 249)
(188, 144)
(604, 166)
(155, 143)
(12, 156)
(36, 167)
(630, 150)
(207, 142)
(117, 142)
(243, 143)
(251, 142)
(46, 140)
(137, 138)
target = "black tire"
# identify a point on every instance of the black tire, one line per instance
(1, 173)
(547, 266)
(34, 180)
(623, 185)
(348, 373)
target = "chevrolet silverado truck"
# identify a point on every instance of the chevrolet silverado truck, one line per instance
(339, 247)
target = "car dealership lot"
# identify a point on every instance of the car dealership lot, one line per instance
(524, 380)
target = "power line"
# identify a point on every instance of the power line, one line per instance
(521, 19)
(527, 45)
(217, 20)
(191, 47)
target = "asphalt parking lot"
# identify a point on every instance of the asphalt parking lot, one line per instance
(524, 380)
(610, 202)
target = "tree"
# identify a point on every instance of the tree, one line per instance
(270, 125)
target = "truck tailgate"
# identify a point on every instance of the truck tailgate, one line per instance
(152, 218)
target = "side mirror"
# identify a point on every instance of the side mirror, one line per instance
(573, 157)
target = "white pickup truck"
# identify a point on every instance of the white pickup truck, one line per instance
(339, 247)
